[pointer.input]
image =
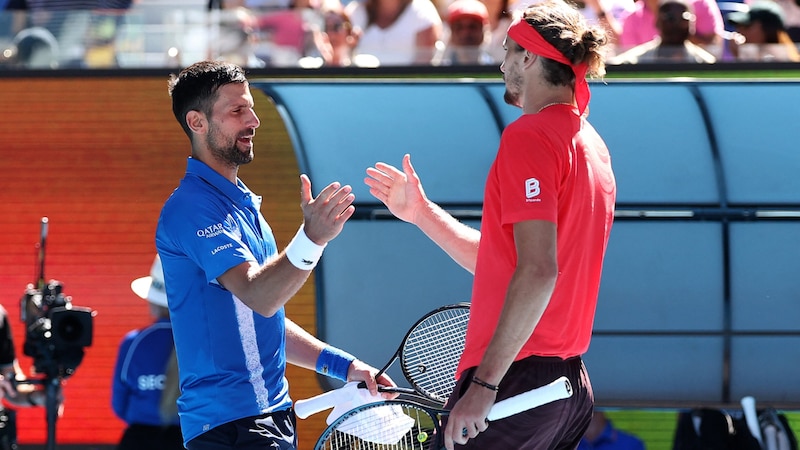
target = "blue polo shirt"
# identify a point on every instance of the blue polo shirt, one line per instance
(232, 360)
(139, 374)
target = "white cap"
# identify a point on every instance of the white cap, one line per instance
(152, 288)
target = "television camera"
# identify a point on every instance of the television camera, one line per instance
(57, 332)
(56, 335)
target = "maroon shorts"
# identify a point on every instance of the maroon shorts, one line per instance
(555, 426)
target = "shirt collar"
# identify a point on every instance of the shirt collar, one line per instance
(238, 192)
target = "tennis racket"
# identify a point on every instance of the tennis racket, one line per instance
(397, 424)
(428, 354)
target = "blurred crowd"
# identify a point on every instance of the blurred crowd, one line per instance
(371, 33)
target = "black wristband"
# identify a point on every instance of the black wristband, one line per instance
(480, 382)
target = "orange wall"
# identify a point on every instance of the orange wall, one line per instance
(98, 156)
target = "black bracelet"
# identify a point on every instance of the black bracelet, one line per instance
(480, 382)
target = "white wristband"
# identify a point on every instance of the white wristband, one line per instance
(302, 252)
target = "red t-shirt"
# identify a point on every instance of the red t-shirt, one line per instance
(550, 166)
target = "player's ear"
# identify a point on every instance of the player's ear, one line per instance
(196, 121)
(528, 57)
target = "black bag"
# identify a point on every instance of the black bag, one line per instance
(781, 436)
(715, 429)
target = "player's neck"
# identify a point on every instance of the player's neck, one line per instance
(537, 105)
(539, 94)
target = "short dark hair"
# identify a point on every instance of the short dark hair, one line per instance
(195, 88)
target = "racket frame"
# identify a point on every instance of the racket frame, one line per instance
(558, 389)
(416, 391)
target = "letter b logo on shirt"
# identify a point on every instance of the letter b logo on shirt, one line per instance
(532, 188)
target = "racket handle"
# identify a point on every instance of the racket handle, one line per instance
(559, 389)
(751, 418)
(321, 402)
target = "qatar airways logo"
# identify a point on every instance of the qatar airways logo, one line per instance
(229, 226)
(532, 190)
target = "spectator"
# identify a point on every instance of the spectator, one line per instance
(601, 435)
(107, 19)
(256, 6)
(468, 23)
(500, 15)
(639, 26)
(15, 389)
(6, 25)
(791, 17)
(140, 373)
(609, 14)
(34, 48)
(234, 40)
(675, 24)
(397, 32)
(765, 35)
(280, 35)
(227, 283)
(69, 21)
(336, 41)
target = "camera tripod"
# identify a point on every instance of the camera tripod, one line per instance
(52, 390)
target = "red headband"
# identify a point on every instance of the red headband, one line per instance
(526, 36)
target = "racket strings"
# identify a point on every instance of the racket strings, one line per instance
(382, 427)
(432, 351)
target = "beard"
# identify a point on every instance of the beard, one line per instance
(226, 150)
(513, 87)
(511, 99)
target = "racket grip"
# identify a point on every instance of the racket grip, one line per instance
(751, 418)
(318, 403)
(558, 389)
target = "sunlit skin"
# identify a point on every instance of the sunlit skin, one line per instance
(753, 33)
(675, 23)
(495, 7)
(700, 39)
(532, 284)
(386, 14)
(512, 75)
(221, 128)
(226, 136)
(467, 32)
(337, 41)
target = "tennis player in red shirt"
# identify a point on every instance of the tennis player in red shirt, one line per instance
(537, 260)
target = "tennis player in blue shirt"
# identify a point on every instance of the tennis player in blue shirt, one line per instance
(227, 283)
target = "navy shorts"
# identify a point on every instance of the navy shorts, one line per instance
(273, 431)
(555, 426)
